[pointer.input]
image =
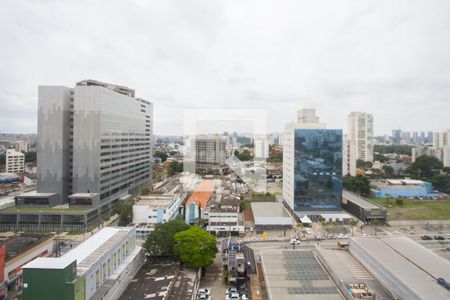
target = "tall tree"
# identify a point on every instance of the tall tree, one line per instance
(195, 247)
(425, 167)
(161, 241)
(357, 184)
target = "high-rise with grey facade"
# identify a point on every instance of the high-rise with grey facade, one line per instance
(360, 133)
(209, 153)
(94, 146)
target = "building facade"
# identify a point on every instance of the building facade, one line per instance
(15, 161)
(360, 132)
(312, 165)
(348, 157)
(99, 268)
(156, 208)
(94, 149)
(209, 153)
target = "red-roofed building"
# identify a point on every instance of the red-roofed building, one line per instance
(198, 200)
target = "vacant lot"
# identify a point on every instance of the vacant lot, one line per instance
(416, 210)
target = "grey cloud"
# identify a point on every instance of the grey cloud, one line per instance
(389, 58)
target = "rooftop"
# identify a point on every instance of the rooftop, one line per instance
(17, 245)
(202, 194)
(87, 253)
(398, 183)
(410, 263)
(296, 274)
(156, 200)
(360, 201)
(270, 213)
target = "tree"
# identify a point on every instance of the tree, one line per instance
(161, 241)
(388, 170)
(353, 223)
(174, 167)
(376, 223)
(424, 167)
(361, 164)
(244, 155)
(441, 182)
(161, 155)
(195, 247)
(358, 184)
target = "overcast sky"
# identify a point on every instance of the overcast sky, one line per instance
(388, 58)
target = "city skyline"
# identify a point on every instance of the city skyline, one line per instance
(236, 55)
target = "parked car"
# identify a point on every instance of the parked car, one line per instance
(244, 297)
(426, 237)
(232, 296)
(439, 237)
(203, 297)
(443, 282)
(231, 290)
(205, 291)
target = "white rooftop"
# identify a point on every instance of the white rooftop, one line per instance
(410, 263)
(84, 252)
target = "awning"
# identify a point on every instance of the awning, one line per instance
(305, 220)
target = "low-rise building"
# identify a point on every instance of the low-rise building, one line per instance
(409, 269)
(394, 188)
(224, 215)
(197, 201)
(270, 215)
(360, 207)
(15, 161)
(156, 208)
(17, 251)
(99, 268)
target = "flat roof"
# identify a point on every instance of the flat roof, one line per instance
(83, 195)
(270, 213)
(296, 274)
(156, 200)
(392, 255)
(17, 245)
(358, 200)
(86, 253)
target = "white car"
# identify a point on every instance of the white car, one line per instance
(204, 291)
(203, 297)
(232, 296)
(232, 290)
(294, 242)
(244, 297)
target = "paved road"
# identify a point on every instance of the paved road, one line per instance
(213, 279)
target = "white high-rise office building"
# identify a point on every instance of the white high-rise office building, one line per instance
(15, 161)
(360, 132)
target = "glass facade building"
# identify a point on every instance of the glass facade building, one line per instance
(317, 169)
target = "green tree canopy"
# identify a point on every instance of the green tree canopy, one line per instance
(361, 164)
(161, 155)
(125, 212)
(244, 155)
(195, 247)
(175, 167)
(161, 241)
(388, 170)
(358, 184)
(424, 167)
